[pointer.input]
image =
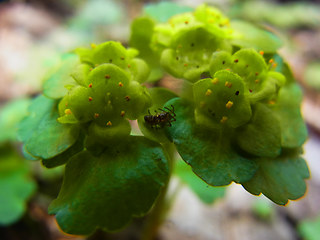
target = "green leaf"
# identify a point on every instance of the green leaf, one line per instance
(262, 135)
(310, 229)
(283, 67)
(42, 135)
(60, 77)
(63, 157)
(247, 35)
(263, 208)
(164, 10)
(209, 153)
(207, 194)
(141, 35)
(287, 108)
(107, 191)
(280, 179)
(16, 187)
(80, 73)
(11, 114)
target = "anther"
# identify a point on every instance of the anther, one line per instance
(120, 84)
(122, 113)
(229, 104)
(215, 80)
(208, 92)
(67, 111)
(109, 123)
(256, 81)
(224, 119)
(90, 99)
(107, 76)
(261, 53)
(228, 84)
(127, 98)
(96, 115)
(271, 60)
(236, 60)
(90, 85)
(93, 45)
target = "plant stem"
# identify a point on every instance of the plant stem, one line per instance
(159, 210)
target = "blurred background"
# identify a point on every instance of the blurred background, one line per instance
(34, 34)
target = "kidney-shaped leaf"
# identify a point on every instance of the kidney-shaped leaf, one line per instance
(262, 135)
(280, 179)
(106, 191)
(293, 129)
(208, 152)
(42, 135)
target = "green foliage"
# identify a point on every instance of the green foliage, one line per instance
(280, 179)
(122, 182)
(141, 36)
(42, 135)
(16, 186)
(10, 115)
(309, 229)
(263, 208)
(209, 153)
(236, 119)
(54, 84)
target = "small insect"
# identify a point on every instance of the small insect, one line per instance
(162, 119)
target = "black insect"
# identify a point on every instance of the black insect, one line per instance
(162, 119)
